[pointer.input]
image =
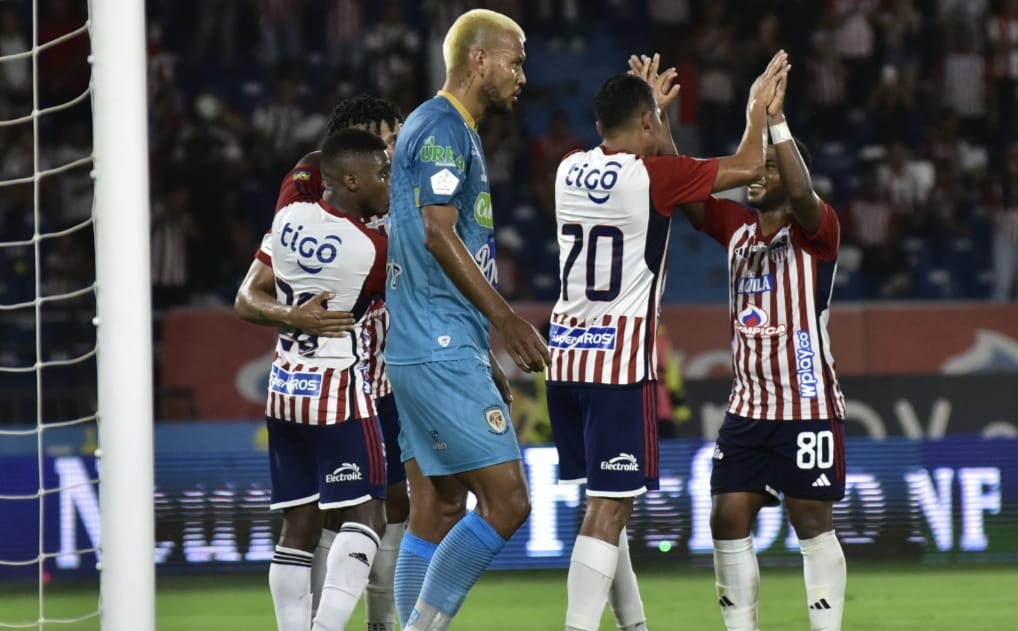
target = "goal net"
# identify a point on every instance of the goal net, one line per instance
(75, 323)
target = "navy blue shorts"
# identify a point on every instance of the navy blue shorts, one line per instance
(338, 465)
(800, 459)
(606, 436)
(388, 416)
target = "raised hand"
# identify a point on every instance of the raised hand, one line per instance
(663, 84)
(523, 343)
(776, 106)
(314, 318)
(762, 92)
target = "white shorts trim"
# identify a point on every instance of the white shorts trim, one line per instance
(346, 503)
(633, 493)
(292, 503)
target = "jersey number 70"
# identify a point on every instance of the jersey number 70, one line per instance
(596, 233)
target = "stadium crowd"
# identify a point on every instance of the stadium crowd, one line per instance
(908, 107)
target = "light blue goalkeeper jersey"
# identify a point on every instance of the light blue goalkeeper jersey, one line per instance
(439, 161)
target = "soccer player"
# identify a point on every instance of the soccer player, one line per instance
(783, 434)
(452, 396)
(384, 119)
(325, 445)
(613, 206)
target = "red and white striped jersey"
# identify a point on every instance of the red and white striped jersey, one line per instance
(779, 298)
(376, 323)
(614, 213)
(315, 247)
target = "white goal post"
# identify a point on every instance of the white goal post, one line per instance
(124, 337)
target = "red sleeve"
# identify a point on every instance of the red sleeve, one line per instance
(677, 180)
(722, 217)
(823, 243)
(302, 184)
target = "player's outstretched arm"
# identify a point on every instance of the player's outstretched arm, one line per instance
(522, 341)
(792, 168)
(256, 303)
(747, 164)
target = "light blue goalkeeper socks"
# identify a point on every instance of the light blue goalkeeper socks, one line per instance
(411, 567)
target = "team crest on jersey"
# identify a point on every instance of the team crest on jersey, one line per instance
(495, 418)
(754, 322)
(303, 175)
(778, 251)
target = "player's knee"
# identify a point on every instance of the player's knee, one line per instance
(510, 511)
(811, 519)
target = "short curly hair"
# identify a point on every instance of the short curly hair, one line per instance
(364, 110)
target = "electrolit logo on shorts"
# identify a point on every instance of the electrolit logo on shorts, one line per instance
(621, 462)
(295, 384)
(755, 284)
(598, 183)
(595, 338)
(485, 258)
(752, 322)
(314, 254)
(346, 472)
(805, 361)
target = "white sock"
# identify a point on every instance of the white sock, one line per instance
(823, 567)
(379, 597)
(625, 591)
(318, 566)
(591, 571)
(349, 563)
(738, 581)
(290, 586)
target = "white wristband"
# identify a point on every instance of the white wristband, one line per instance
(780, 133)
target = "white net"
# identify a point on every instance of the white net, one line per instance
(48, 413)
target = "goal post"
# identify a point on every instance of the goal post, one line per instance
(124, 336)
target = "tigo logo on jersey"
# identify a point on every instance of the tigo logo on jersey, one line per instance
(495, 418)
(755, 284)
(594, 180)
(752, 322)
(295, 384)
(308, 248)
(595, 338)
(621, 462)
(346, 472)
(444, 182)
(804, 364)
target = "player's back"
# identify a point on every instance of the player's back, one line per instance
(315, 247)
(438, 161)
(612, 247)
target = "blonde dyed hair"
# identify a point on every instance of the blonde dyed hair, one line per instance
(470, 30)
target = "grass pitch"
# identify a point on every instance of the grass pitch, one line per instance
(927, 598)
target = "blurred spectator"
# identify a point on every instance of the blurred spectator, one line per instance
(65, 71)
(215, 32)
(546, 151)
(1002, 205)
(15, 74)
(344, 35)
(827, 88)
(715, 46)
(276, 121)
(439, 16)
(892, 108)
(873, 225)
(855, 41)
(73, 187)
(1002, 38)
(669, 19)
(901, 181)
(279, 28)
(963, 80)
(392, 48)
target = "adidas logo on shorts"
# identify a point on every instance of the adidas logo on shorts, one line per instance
(822, 480)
